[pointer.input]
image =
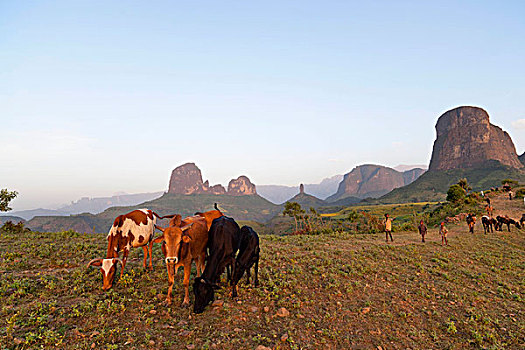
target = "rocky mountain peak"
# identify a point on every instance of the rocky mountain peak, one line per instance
(371, 180)
(466, 139)
(187, 179)
(241, 186)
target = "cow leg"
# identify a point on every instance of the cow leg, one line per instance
(186, 284)
(172, 271)
(248, 276)
(124, 259)
(150, 247)
(256, 272)
(233, 283)
(145, 250)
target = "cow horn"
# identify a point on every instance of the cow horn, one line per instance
(184, 228)
(92, 261)
(118, 260)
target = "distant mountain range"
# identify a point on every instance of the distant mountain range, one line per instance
(88, 205)
(279, 194)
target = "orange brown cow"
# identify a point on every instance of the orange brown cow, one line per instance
(184, 242)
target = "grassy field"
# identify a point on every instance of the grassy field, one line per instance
(339, 291)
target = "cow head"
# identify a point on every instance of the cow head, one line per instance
(108, 267)
(204, 294)
(174, 237)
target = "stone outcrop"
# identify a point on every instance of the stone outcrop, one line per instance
(301, 188)
(187, 179)
(373, 181)
(242, 186)
(466, 139)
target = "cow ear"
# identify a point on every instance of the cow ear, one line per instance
(186, 239)
(184, 228)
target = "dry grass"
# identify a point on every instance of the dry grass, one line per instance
(342, 291)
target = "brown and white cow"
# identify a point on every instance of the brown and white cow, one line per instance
(184, 242)
(134, 229)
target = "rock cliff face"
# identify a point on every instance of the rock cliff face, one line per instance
(522, 158)
(373, 181)
(466, 139)
(187, 179)
(241, 186)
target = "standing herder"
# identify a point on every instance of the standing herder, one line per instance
(443, 232)
(422, 230)
(489, 210)
(388, 227)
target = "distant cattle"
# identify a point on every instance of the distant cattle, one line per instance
(134, 229)
(522, 220)
(248, 256)
(471, 222)
(184, 243)
(223, 243)
(489, 223)
(505, 220)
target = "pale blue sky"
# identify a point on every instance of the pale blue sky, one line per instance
(98, 97)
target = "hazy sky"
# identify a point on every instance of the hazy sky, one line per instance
(98, 97)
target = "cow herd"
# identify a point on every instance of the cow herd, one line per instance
(491, 224)
(213, 241)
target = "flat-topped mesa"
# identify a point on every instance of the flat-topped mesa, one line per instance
(187, 179)
(242, 186)
(466, 139)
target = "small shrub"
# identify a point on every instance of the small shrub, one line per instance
(455, 194)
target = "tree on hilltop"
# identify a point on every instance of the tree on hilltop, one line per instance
(294, 210)
(6, 197)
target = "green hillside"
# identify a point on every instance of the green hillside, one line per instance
(306, 201)
(433, 185)
(253, 208)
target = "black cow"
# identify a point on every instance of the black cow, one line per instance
(224, 239)
(248, 256)
(505, 220)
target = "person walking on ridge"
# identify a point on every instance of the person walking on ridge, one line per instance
(443, 232)
(422, 230)
(388, 227)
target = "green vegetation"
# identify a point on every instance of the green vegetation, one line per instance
(455, 194)
(6, 197)
(253, 208)
(433, 186)
(342, 290)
